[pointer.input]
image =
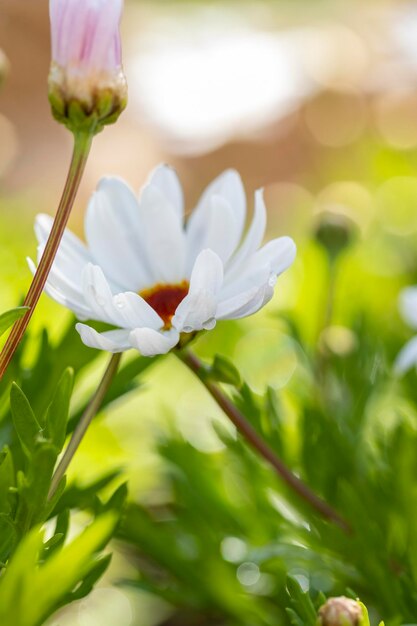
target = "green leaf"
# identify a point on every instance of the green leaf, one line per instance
(39, 481)
(96, 572)
(224, 371)
(52, 503)
(30, 592)
(8, 536)
(8, 318)
(301, 601)
(60, 534)
(6, 480)
(27, 426)
(118, 499)
(57, 413)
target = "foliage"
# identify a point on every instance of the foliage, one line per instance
(41, 574)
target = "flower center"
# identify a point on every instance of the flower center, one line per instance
(164, 299)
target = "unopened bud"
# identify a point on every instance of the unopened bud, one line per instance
(340, 611)
(87, 87)
(335, 232)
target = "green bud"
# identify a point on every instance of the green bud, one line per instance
(335, 232)
(340, 611)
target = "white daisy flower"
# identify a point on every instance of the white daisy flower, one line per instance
(152, 277)
(408, 309)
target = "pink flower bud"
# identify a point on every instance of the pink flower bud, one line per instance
(86, 81)
(340, 611)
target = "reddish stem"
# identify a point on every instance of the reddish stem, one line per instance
(252, 437)
(82, 145)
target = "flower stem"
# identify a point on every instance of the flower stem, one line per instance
(85, 420)
(252, 437)
(82, 145)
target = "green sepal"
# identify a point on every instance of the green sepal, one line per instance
(83, 117)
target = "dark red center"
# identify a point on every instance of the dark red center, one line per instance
(164, 299)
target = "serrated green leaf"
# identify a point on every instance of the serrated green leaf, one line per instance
(90, 579)
(57, 413)
(30, 592)
(27, 426)
(60, 534)
(8, 318)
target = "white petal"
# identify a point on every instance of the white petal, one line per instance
(72, 255)
(56, 290)
(408, 306)
(229, 187)
(99, 297)
(135, 311)
(111, 340)
(115, 235)
(406, 358)
(70, 243)
(198, 309)
(164, 236)
(151, 342)
(251, 277)
(219, 232)
(279, 254)
(241, 304)
(252, 240)
(166, 180)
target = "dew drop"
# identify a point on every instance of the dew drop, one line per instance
(210, 323)
(187, 329)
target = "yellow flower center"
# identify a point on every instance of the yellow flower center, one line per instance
(164, 299)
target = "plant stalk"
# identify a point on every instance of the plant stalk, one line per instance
(252, 437)
(85, 421)
(81, 150)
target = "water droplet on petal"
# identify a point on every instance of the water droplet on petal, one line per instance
(272, 280)
(187, 329)
(210, 323)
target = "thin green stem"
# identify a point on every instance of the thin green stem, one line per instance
(85, 421)
(252, 437)
(82, 145)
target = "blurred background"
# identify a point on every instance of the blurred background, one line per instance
(314, 100)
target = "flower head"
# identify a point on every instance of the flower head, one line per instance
(153, 278)
(340, 611)
(86, 81)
